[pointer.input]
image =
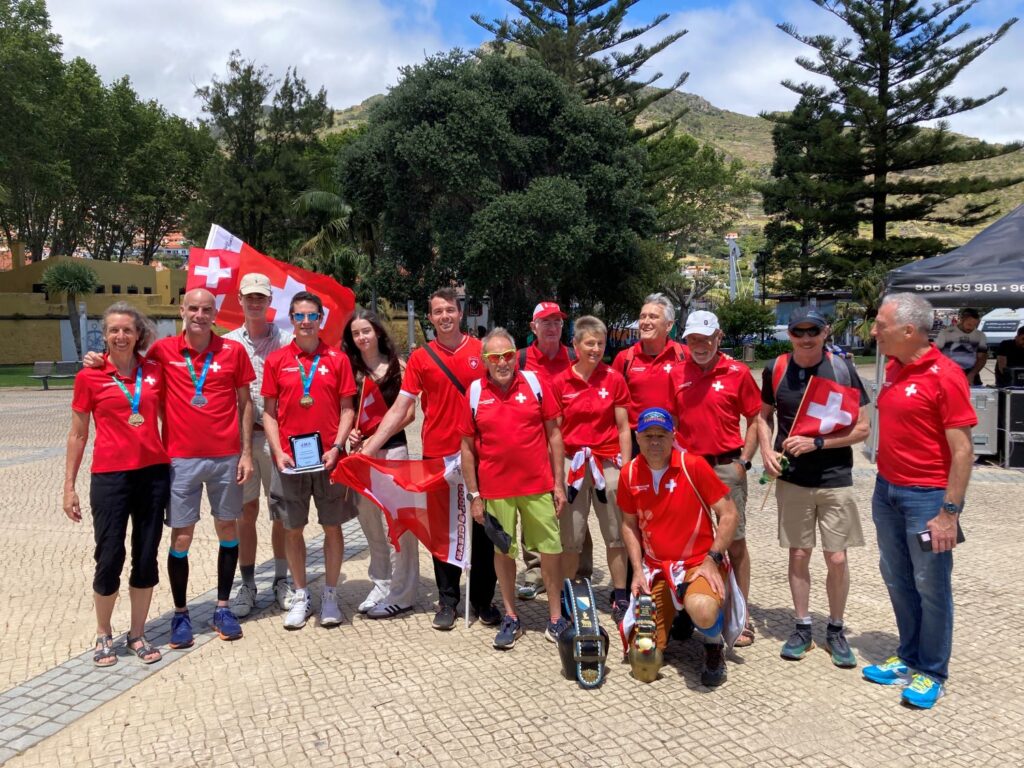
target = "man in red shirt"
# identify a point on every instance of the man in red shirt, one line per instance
(308, 392)
(710, 393)
(666, 497)
(438, 374)
(925, 454)
(510, 434)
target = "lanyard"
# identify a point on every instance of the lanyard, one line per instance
(133, 400)
(192, 371)
(307, 381)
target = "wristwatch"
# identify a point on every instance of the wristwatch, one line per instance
(340, 447)
(745, 464)
(718, 557)
(949, 506)
(472, 495)
(819, 443)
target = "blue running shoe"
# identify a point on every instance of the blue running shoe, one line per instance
(510, 631)
(555, 628)
(922, 692)
(181, 630)
(225, 624)
(892, 672)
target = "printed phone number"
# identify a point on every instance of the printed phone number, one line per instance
(971, 287)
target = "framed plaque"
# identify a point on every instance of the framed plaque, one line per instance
(307, 451)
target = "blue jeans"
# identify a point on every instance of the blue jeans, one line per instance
(920, 583)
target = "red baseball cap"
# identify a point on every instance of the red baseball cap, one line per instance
(547, 309)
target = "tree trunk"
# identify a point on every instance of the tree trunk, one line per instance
(76, 332)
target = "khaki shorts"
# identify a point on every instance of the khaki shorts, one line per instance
(735, 478)
(335, 503)
(540, 526)
(804, 510)
(263, 471)
(573, 522)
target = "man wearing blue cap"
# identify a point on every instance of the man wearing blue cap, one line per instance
(666, 497)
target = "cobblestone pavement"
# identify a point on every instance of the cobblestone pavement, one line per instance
(397, 693)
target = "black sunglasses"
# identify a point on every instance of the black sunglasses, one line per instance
(801, 332)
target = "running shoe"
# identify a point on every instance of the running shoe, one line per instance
(225, 624)
(510, 631)
(244, 601)
(799, 643)
(891, 672)
(839, 647)
(181, 630)
(922, 692)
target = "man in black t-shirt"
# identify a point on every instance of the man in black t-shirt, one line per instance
(1009, 355)
(815, 491)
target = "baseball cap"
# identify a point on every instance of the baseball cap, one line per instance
(807, 315)
(654, 417)
(254, 282)
(547, 309)
(701, 322)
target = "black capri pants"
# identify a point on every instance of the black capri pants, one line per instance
(137, 494)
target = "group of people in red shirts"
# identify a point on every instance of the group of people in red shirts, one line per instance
(658, 444)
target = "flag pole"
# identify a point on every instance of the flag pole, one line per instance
(469, 561)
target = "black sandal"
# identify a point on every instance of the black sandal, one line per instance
(104, 655)
(144, 650)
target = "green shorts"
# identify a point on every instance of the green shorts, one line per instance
(540, 526)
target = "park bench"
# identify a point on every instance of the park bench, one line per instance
(44, 371)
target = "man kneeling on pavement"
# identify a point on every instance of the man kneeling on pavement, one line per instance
(666, 497)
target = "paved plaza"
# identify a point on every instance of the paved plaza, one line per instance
(397, 693)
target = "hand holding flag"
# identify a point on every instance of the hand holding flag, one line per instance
(826, 407)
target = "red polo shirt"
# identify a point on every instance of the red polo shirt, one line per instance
(544, 365)
(917, 404)
(588, 409)
(510, 439)
(647, 377)
(332, 381)
(212, 431)
(707, 405)
(672, 522)
(442, 403)
(119, 446)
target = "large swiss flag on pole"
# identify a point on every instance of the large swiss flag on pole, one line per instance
(427, 497)
(826, 407)
(220, 266)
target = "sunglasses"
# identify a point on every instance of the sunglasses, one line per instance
(801, 332)
(301, 317)
(502, 357)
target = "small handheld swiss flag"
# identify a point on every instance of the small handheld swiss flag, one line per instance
(372, 407)
(826, 407)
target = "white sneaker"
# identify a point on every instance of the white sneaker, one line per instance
(301, 609)
(283, 593)
(244, 601)
(376, 595)
(330, 613)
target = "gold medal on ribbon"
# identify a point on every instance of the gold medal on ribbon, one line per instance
(306, 401)
(136, 420)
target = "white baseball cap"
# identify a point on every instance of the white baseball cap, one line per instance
(701, 322)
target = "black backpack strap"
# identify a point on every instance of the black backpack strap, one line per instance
(445, 369)
(522, 359)
(572, 353)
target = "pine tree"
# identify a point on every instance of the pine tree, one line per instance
(886, 80)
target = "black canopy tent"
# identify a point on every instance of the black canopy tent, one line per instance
(988, 271)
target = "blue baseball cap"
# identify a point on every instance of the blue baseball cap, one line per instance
(654, 417)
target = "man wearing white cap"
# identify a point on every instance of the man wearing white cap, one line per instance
(710, 392)
(259, 338)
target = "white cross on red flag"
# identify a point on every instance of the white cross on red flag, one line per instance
(372, 407)
(826, 407)
(220, 266)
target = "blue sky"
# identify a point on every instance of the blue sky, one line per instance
(734, 54)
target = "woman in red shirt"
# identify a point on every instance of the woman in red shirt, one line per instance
(130, 473)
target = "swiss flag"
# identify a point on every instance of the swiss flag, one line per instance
(220, 266)
(371, 407)
(427, 497)
(826, 407)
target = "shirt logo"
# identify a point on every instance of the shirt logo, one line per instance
(671, 485)
(934, 369)
(488, 401)
(639, 488)
(570, 395)
(520, 398)
(911, 390)
(718, 386)
(602, 393)
(667, 367)
(474, 363)
(686, 385)
(638, 368)
(215, 367)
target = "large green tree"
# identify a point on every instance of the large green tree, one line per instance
(494, 172)
(267, 133)
(583, 42)
(891, 75)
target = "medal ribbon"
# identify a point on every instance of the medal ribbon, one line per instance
(307, 382)
(192, 371)
(133, 400)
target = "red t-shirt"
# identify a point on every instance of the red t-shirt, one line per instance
(332, 381)
(588, 409)
(647, 377)
(707, 405)
(442, 403)
(212, 431)
(119, 446)
(511, 442)
(917, 404)
(672, 522)
(548, 367)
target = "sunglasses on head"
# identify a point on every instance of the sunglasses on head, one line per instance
(301, 317)
(504, 357)
(801, 332)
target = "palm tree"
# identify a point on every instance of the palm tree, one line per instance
(72, 277)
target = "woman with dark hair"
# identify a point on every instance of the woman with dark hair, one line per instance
(395, 575)
(130, 473)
